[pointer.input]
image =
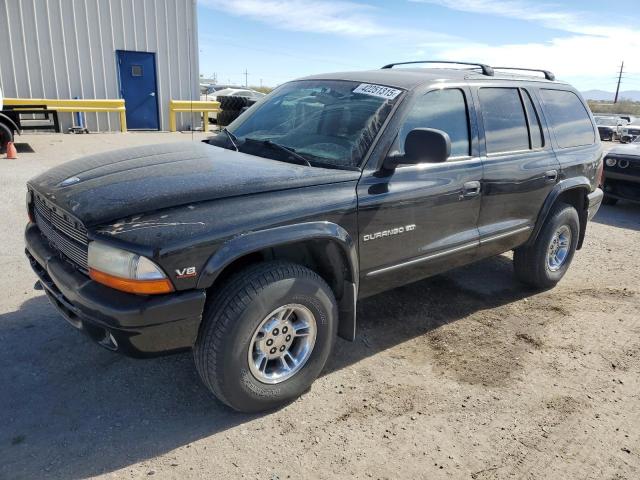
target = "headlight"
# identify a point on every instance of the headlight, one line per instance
(611, 162)
(126, 271)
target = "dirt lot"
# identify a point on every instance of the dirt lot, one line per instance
(465, 375)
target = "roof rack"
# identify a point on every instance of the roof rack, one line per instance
(547, 74)
(486, 69)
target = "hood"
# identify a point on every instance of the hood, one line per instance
(632, 149)
(113, 185)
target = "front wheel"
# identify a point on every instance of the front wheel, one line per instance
(266, 336)
(544, 263)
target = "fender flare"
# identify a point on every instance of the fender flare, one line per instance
(6, 120)
(561, 187)
(251, 242)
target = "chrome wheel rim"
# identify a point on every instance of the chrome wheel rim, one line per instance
(559, 248)
(282, 343)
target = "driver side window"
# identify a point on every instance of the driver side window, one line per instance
(444, 110)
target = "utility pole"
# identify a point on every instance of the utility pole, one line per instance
(246, 78)
(615, 100)
(260, 83)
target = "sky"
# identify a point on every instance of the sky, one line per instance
(581, 41)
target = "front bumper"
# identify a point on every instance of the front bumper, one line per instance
(595, 200)
(622, 185)
(138, 326)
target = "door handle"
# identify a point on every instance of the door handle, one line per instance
(471, 189)
(551, 176)
(152, 94)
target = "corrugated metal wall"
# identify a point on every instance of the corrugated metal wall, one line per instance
(67, 49)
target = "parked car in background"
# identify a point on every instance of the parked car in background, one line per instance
(230, 92)
(621, 179)
(208, 90)
(628, 133)
(608, 127)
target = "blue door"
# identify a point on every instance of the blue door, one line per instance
(138, 88)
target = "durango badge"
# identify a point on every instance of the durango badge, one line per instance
(186, 272)
(389, 233)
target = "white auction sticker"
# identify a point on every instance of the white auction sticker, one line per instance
(377, 91)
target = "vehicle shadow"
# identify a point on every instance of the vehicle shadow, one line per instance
(71, 409)
(622, 215)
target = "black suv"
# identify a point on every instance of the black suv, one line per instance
(254, 247)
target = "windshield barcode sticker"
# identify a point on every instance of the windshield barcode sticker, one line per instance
(377, 91)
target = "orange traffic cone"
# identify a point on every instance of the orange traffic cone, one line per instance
(12, 153)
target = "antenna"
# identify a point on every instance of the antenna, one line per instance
(615, 100)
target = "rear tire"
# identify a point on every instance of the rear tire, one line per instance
(232, 336)
(543, 264)
(609, 201)
(6, 136)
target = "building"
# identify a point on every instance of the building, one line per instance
(145, 51)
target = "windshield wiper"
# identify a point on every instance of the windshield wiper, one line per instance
(232, 138)
(284, 148)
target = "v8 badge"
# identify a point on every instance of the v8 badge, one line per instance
(187, 272)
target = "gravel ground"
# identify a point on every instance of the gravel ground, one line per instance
(464, 375)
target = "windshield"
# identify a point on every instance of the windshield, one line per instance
(607, 121)
(329, 122)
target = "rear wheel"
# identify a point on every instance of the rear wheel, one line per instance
(6, 136)
(266, 336)
(544, 263)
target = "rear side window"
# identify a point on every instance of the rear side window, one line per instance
(535, 130)
(568, 117)
(444, 110)
(505, 123)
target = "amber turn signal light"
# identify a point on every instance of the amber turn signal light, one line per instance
(140, 287)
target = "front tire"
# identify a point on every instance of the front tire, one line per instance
(243, 353)
(543, 264)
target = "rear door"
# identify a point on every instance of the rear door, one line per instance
(138, 88)
(520, 167)
(421, 219)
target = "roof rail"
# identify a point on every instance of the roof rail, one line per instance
(547, 74)
(486, 69)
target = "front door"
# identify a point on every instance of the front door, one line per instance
(422, 219)
(138, 88)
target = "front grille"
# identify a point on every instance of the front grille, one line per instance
(64, 234)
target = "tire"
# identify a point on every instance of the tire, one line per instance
(225, 117)
(609, 200)
(531, 263)
(232, 319)
(233, 103)
(6, 136)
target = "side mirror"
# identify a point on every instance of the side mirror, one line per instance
(422, 145)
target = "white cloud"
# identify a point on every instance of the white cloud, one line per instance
(589, 56)
(546, 14)
(333, 17)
